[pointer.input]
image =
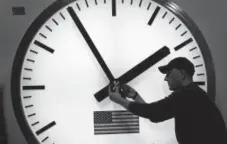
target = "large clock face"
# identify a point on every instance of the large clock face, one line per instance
(56, 75)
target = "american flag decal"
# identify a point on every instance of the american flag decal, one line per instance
(115, 122)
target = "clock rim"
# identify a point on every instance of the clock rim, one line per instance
(52, 9)
(18, 63)
(199, 38)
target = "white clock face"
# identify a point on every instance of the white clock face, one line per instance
(60, 74)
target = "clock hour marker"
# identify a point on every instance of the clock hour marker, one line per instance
(42, 35)
(28, 106)
(104, 1)
(62, 16)
(196, 57)
(193, 48)
(55, 21)
(45, 139)
(48, 28)
(35, 52)
(178, 26)
(200, 83)
(96, 2)
(44, 46)
(50, 125)
(171, 20)
(86, 3)
(30, 60)
(26, 78)
(149, 6)
(122, 1)
(183, 33)
(131, 2)
(114, 7)
(27, 97)
(201, 74)
(32, 115)
(154, 15)
(35, 123)
(34, 87)
(199, 65)
(140, 3)
(183, 44)
(78, 6)
(164, 15)
(27, 69)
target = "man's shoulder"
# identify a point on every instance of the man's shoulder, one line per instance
(175, 95)
(190, 91)
(197, 90)
(194, 88)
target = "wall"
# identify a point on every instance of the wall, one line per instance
(3, 138)
(210, 16)
(11, 32)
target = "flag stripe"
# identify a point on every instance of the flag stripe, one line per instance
(124, 116)
(119, 122)
(116, 128)
(121, 113)
(114, 125)
(120, 129)
(117, 132)
(125, 120)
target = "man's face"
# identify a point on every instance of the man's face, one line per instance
(174, 79)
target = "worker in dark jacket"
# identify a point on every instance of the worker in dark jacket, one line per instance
(197, 119)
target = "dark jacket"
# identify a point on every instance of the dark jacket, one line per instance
(197, 119)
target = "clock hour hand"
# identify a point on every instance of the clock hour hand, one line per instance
(135, 71)
(90, 43)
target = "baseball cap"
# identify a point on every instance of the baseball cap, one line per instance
(178, 63)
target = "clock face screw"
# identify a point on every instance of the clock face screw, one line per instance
(114, 84)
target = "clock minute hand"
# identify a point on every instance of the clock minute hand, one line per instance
(137, 70)
(90, 43)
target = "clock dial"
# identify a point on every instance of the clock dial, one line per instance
(57, 71)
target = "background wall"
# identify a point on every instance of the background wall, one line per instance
(210, 16)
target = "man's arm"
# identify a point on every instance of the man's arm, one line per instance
(139, 99)
(124, 102)
(129, 92)
(157, 111)
(121, 101)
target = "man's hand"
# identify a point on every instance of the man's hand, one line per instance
(128, 91)
(116, 97)
(114, 93)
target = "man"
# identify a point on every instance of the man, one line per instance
(197, 119)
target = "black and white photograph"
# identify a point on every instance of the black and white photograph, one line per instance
(113, 72)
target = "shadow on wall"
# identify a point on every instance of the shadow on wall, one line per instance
(3, 137)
